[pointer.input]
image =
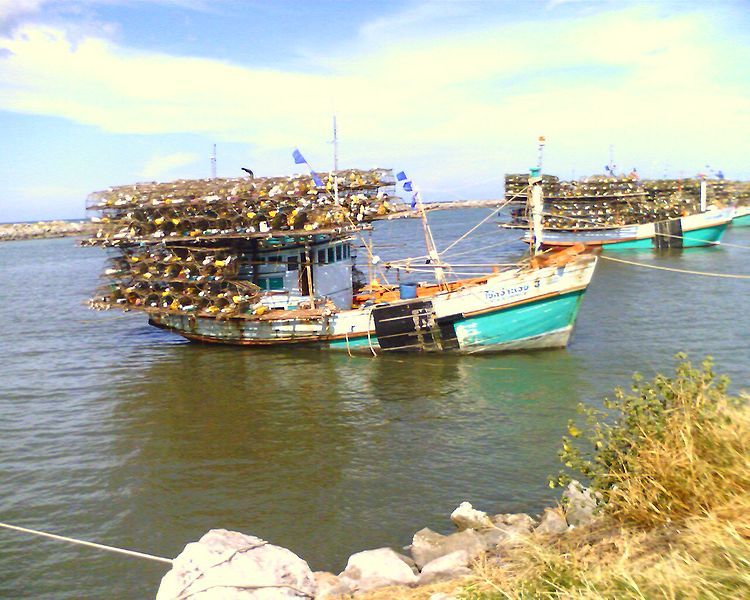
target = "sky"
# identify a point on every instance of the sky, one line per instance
(95, 93)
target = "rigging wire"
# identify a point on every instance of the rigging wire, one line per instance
(674, 270)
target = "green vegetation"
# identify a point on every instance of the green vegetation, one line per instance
(670, 460)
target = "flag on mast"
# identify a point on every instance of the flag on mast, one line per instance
(300, 160)
(408, 187)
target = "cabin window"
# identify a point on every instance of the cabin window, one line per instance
(271, 283)
(330, 254)
(321, 257)
(346, 250)
(339, 252)
(291, 263)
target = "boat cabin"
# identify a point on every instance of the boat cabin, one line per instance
(289, 270)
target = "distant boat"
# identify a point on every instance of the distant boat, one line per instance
(741, 216)
(700, 229)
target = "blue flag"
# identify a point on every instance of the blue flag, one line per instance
(407, 186)
(414, 201)
(318, 181)
(401, 176)
(298, 158)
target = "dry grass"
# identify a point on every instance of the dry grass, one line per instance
(677, 526)
(695, 466)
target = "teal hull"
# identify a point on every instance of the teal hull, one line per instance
(691, 239)
(743, 221)
(545, 323)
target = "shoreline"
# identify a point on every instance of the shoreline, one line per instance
(58, 228)
(13, 232)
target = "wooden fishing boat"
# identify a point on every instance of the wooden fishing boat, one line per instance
(700, 229)
(741, 216)
(268, 287)
(533, 305)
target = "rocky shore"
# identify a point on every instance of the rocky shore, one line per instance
(44, 229)
(231, 565)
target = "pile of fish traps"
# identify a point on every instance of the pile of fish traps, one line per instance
(517, 185)
(604, 201)
(178, 246)
(189, 209)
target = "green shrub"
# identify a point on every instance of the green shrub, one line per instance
(661, 450)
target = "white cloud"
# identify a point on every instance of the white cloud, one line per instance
(11, 10)
(654, 86)
(158, 167)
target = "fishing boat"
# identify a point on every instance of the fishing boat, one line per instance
(700, 229)
(297, 286)
(741, 216)
(601, 221)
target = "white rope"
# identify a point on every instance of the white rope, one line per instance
(89, 544)
(685, 271)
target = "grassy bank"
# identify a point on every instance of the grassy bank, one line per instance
(670, 461)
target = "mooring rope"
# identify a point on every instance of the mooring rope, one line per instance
(89, 544)
(483, 221)
(674, 270)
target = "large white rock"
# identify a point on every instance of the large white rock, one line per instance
(552, 523)
(579, 503)
(450, 566)
(427, 545)
(519, 522)
(330, 585)
(467, 517)
(227, 565)
(372, 569)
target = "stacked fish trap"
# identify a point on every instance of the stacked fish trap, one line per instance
(738, 192)
(177, 247)
(600, 201)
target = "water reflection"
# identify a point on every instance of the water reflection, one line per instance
(303, 447)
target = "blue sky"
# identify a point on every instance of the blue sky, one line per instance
(106, 92)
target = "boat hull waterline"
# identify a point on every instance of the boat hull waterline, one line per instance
(741, 217)
(520, 309)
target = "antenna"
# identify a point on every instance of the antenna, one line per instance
(335, 145)
(213, 163)
(542, 141)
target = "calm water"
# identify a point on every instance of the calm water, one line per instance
(116, 432)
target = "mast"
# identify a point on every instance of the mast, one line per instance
(430, 242)
(542, 141)
(704, 193)
(213, 163)
(335, 145)
(536, 201)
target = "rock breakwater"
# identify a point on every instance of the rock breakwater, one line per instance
(230, 565)
(44, 229)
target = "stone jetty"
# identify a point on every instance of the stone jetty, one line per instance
(229, 565)
(44, 229)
